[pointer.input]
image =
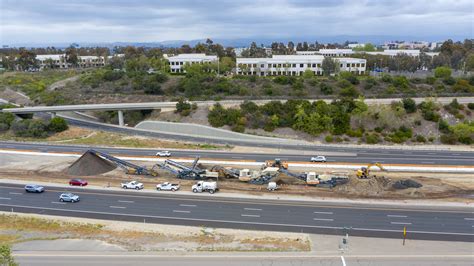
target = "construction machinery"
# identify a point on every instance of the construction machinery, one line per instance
(364, 172)
(258, 177)
(225, 172)
(184, 172)
(319, 180)
(276, 163)
(129, 168)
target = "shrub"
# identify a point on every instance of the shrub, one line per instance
(111, 75)
(350, 91)
(153, 88)
(6, 257)
(329, 138)
(449, 81)
(183, 107)
(7, 118)
(4, 127)
(34, 128)
(355, 133)
(386, 78)
(420, 138)
(430, 80)
(442, 72)
(351, 77)
(326, 89)
(372, 139)
(409, 104)
(400, 82)
(57, 124)
(470, 106)
(443, 126)
(448, 139)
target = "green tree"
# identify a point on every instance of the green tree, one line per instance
(27, 59)
(7, 118)
(6, 257)
(329, 66)
(183, 107)
(57, 124)
(71, 56)
(442, 72)
(409, 104)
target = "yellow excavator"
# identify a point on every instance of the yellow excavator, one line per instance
(364, 172)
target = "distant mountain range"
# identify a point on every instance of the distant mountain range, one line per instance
(244, 42)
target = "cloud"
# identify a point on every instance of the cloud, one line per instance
(24, 21)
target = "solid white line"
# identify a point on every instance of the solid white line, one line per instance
(117, 207)
(469, 219)
(456, 154)
(237, 222)
(400, 223)
(322, 219)
(252, 209)
(187, 205)
(237, 157)
(250, 215)
(5, 198)
(323, 212)
(181, 211)
(397, 216)
(343, 261)
(126, 201)
(58, 202)
(15, 193)
(428, 162)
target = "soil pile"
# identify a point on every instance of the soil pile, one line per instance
(406, 183)
(90, 164)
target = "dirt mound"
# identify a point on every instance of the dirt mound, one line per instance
(90, 164)
(406, 183)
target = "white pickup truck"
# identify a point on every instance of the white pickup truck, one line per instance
(202, 186)
(132, 185)
(167, 186)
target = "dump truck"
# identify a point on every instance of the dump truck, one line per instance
(202, 186)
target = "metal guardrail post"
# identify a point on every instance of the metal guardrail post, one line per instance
(120, 118)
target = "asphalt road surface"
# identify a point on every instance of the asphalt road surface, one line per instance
(251, 260)
(453, 224)
(334, 155)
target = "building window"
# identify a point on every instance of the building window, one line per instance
(358, 65)
(353, 64)
(348, 65)
(262, 65)
(362, 65)
(301, 65)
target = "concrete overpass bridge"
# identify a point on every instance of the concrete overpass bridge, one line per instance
(170, 106)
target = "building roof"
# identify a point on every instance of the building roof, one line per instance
(43, 57)
(192, 57)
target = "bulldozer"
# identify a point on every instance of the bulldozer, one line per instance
(364, 172)
(276, 163)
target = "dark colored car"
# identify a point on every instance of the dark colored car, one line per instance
(34, 188)
(78, 182)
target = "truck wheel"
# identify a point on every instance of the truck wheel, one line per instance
(137, 188)
(173, 189)
(195, 190)
(61, 200)
(211, 191)
(158, 188)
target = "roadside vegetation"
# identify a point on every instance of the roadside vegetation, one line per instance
(349, 120)
(80, 136)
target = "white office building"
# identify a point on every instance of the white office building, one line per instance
(295, 65)
(394, 52)
(84, 61)
(177, 62)
(336, 52)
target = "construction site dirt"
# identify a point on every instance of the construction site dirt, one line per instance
(451, 187)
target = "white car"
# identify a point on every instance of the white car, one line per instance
(68, 197)
(163, 154)
(321, 159)
(132, 185)
(167, 186)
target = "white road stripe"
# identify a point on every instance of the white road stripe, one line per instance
(400, 223)
(181, 211)
(323, 212)
(469, 219)
(428, 162)
(322, 219)
(252, 209)
(117, 207)
(397, 216)
(237, 157)
(15, 193)
(456, 154)
(237, 222)
(58, 202)
(250, 215)
(187, 205)
(5, 198)
(126, 201)
(343, 261)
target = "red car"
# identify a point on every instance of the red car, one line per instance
(78, 182)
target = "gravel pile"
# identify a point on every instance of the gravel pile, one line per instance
(90, 164)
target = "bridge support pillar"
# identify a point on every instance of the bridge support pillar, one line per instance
(53, 115)
(120, 118)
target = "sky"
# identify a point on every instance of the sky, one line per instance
(47, 21)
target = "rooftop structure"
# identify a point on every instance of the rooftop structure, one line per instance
(178, 61)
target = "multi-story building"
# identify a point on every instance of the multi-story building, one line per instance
(393, 52)
(295, 65)
(59, 61)
(178, 61)
(336, 52)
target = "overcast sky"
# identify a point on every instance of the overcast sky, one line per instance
(43, 21)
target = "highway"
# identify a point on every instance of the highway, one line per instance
(350, 155)
(74, 259)
(427, 223)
